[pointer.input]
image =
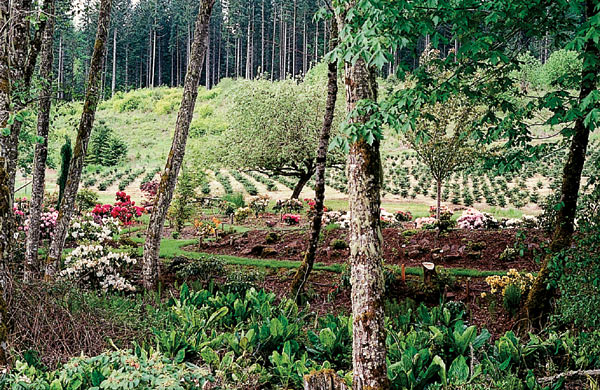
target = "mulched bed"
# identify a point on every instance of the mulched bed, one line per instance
(476, 249)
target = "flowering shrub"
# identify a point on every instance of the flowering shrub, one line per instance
(289, 206)
(86, 229)
(474, 219)
(96, 267)
(291, 219)
(242, 213)
(21, 210)
(403, 216)
(312, 204)
(386, 217)
(471, 219)
(341, 218)
(207, 228)
(150, 189)
(424, 222)
(498, 284)
(259, 204)
(124, 209)
(444, 212)
(47, 224)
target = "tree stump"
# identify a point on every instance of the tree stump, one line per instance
(428, 273)
(324, 380)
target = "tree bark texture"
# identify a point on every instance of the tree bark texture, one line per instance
(304, 178)
(538, 300)
(41, 149)
(175, 159)
(365, 175)
(305, 268)
(83, 135)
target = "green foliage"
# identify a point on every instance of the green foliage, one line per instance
(512, 298)
(562, 70)
(183, 206)
(105, 148)
(339, 244)
(122, 369)
(86, 199)
(236, 198)
(275, 126)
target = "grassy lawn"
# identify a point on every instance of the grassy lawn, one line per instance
(170, 248)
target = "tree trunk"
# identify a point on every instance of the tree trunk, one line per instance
(307, 264)
(113, 83)
(365, 176)
(17, 64)
(6, 193)
(6, 211)
(182, 126)
(41, 150)
(207, 61)
(304, 178)
(439, 198)
(262, 36)
(83, 135)
(538, 300)
(273, 44)
(294, 39)
(324, 380)
(60, 70)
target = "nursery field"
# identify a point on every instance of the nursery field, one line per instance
(141, 120)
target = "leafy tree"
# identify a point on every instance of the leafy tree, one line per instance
(442, 135)
(562, 70)
(275, 127)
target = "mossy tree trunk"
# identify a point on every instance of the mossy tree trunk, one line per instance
(365, 177)
(41, 148)
(175, 159)
(538, 300)
(309, 259)
(83, 135)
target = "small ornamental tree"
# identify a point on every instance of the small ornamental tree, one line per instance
(442, 140)
(442, 135)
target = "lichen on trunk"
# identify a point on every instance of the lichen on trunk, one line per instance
(305, 268)
(83, 135)
(365, 175)
(41, 150)
(540, 295)
(175, 158)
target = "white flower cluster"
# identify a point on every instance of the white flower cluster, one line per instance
(96, 266)
(86, 229)
(527, 221)
(387, 217)
(341, 218)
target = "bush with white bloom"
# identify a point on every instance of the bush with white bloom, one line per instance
(86, 229)
(96, 267)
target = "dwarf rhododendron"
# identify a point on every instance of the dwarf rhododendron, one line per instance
(291, 219)
(424, 221)
(124, 209)
(96, 267)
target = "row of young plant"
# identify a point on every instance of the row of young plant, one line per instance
(245, 182)
(247, 339)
